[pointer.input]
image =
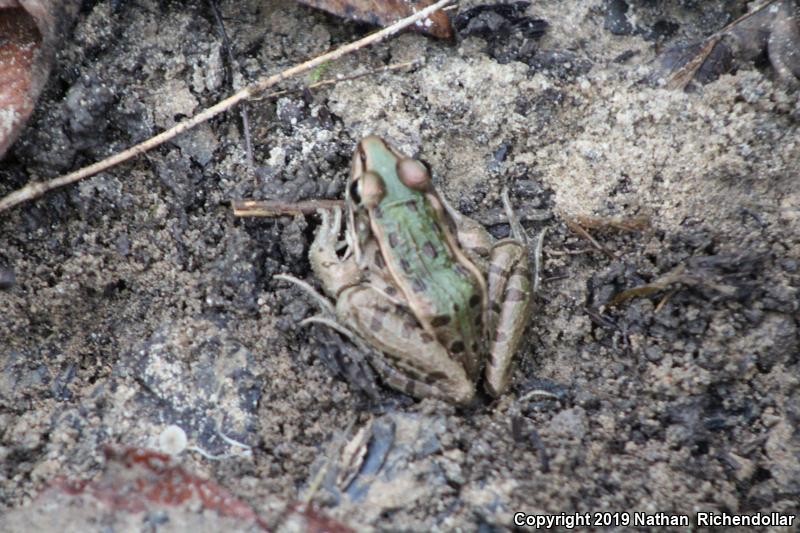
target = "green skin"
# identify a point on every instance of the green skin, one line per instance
(444, 296)
(414, 289)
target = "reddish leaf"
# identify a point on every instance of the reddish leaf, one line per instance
(137, 479)
(138, 483)
(29, 33)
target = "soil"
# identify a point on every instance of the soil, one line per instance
(134, 300)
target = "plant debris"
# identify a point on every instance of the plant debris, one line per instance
(495, 20)
(771, 29)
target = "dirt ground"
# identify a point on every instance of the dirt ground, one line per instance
(135, 300)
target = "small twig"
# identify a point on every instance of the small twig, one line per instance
(630, 224)
(276, 208)
(577, 228)
(37, 189)
(664, 300)
(580, 251)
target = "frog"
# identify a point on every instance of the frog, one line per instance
(426, 292)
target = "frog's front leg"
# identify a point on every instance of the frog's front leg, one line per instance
(334, 273)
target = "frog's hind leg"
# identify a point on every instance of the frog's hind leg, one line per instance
(407, 357)
(510, 297)
(416, 388)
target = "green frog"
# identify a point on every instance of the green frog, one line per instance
(426, 291)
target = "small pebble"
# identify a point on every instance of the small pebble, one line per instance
(172, 440)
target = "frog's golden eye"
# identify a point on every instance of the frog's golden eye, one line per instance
(371, 189)
(414, 174)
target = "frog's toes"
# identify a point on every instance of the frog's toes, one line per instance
(329, 229)
(324, 304)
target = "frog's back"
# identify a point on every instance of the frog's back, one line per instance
(444, 295)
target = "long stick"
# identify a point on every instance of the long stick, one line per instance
(36, 189)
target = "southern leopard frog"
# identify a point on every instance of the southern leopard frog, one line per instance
(425, 288)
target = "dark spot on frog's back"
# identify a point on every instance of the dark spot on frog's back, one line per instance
(405, 265)
(461, 271)
(439, 321)
(457, 347)
(475, 300)
(393, 240)
(376, 322)
(377, 212)
(417, 285)
(429, 250)
(378, 260)
(433, 377)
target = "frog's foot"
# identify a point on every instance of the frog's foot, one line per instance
(351, 362)
(328, 315)
(472, 237)
(334, 273)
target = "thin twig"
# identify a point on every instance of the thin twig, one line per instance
(36, 189)
(276, 208)
(577, 228)
(664, 300)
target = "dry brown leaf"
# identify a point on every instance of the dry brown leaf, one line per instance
(385, 12)
(29, 33)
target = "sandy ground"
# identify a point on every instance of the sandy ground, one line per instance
(139, 301)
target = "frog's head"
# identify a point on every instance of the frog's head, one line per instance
(379, 174)
(378, 171)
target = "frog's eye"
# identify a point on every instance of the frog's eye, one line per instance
(414, 174)
(371, 189)
(354, 191)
